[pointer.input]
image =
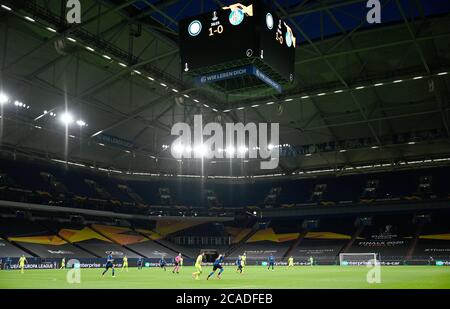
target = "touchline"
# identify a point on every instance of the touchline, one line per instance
(241, 141)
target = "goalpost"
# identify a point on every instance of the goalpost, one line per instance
(358, 259)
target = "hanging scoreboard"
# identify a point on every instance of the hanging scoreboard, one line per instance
(277, 43)
(219, 39)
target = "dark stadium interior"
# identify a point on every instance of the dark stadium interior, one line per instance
(364, 136)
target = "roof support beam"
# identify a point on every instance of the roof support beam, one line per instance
(357, 103)
(438, 96)
(140, 110)
(145, 13)
(374, 47)
(106, 82)
(317, 8)
(413, 36)
(62, 35)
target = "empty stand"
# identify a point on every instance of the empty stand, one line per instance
(9, 250)
(37, 240)
(52, 184)
(260, 251)
(433, 243)
(133, 241)
(322, 250)
(389, 237)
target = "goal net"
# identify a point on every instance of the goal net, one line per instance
(357, 259)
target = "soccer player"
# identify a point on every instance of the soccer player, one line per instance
(125, 263)
(63, 263)
(140, 263)
(7, 264)
(239, 264)
(181, 261)
(109, 264)
(271, 262)
(217, 265)
(178, 259)
(243, 260)
(311, 261)
(22, 261)
(290, 262)
(198, 266)
(162, 263)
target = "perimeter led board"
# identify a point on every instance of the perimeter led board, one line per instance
(235, 33)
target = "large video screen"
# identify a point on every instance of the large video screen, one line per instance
(217, 37)
(277, 43)
(237, 32)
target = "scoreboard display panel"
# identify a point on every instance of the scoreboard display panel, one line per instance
(217, 37)
(241, 31)
(277, 43)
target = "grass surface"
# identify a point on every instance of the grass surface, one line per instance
(318, 277)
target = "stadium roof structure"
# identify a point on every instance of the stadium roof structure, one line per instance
(364, 96)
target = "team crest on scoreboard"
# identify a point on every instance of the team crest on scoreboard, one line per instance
(236, 17)
(238, 12)
(195, 28)
(269, 21)
(288, 39)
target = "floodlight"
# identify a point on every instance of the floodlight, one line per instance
(230, 150)
(243, 149)
(200, 150)
(66, 118)
(81, 123)
(178, 148)
(3, 98)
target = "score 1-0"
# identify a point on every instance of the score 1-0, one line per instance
(218, 30)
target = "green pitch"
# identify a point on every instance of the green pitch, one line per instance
(318, 277)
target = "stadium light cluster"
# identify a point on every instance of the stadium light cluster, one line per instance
(51, 114)
(67, 119)
(5, 99)
(21, 104)
(81, 123)
(202, 151)
(375, 166)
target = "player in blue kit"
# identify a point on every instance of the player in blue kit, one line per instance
(217, 265)
(239, 264)
(109, 264)
(162, 263)
(271, 262)
(140, 263)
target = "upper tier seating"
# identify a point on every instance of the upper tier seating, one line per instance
(35, 182)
